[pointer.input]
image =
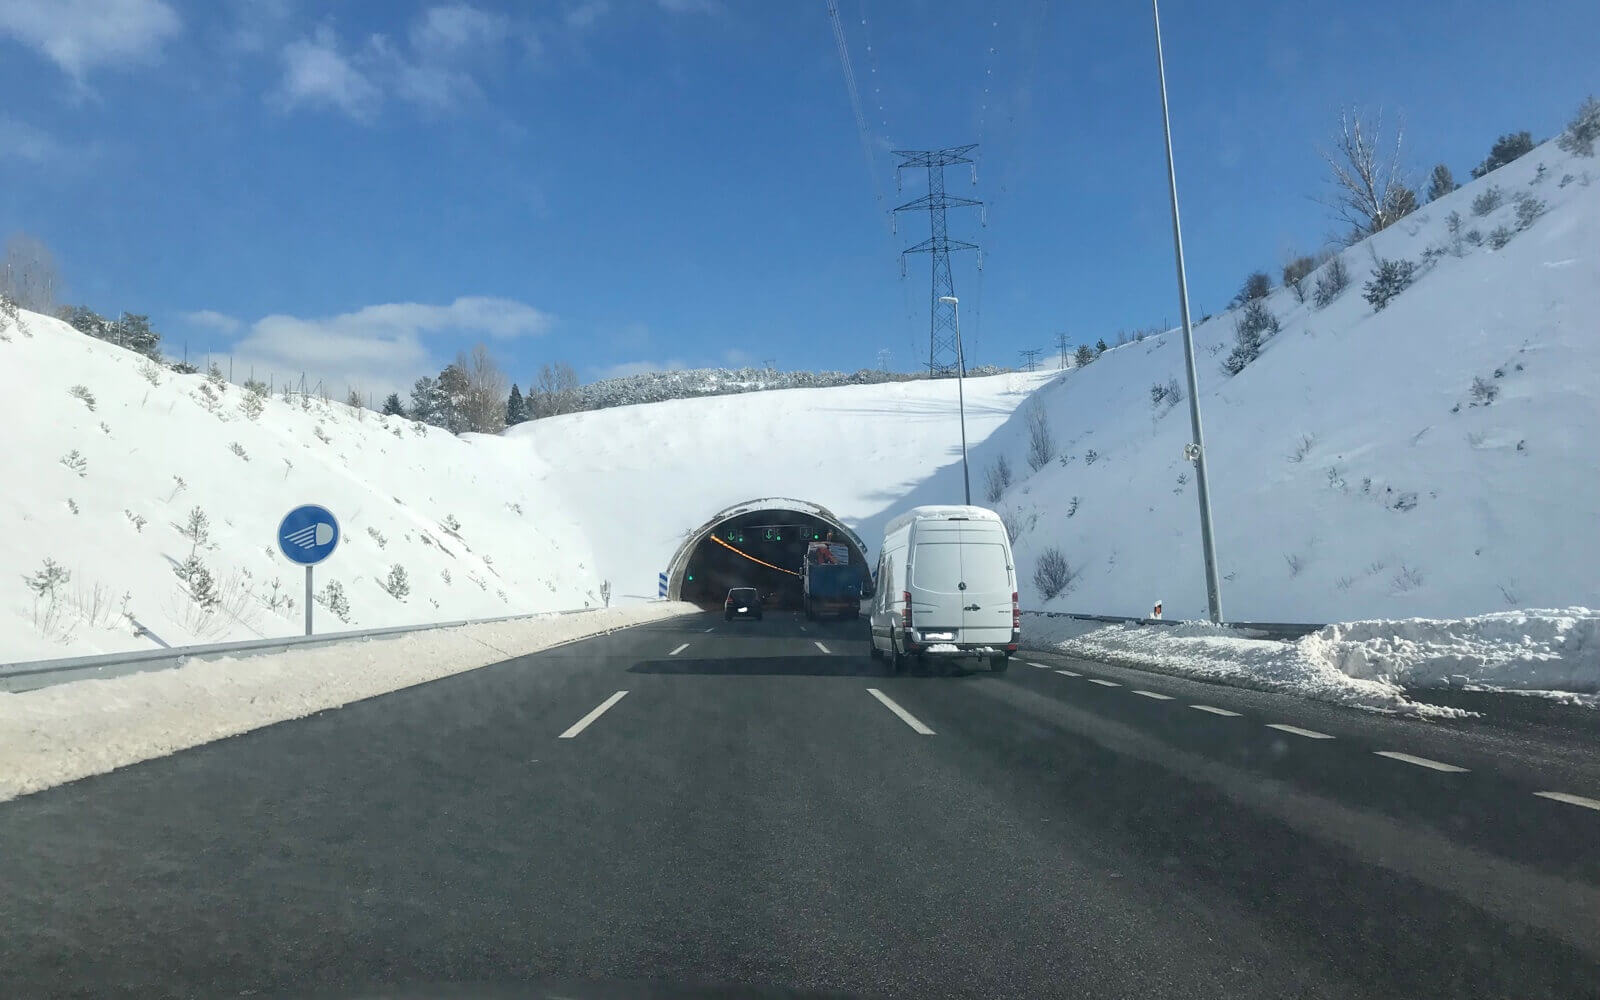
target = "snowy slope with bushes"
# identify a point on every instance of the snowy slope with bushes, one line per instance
(1435, 457)
(113, 456)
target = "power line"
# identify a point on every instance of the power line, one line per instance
(1061, 345)
(942, 334)
(1030, 358)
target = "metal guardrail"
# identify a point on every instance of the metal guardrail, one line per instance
(31, 674)
(1266, 630)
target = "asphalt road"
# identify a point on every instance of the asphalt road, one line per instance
(762, 808)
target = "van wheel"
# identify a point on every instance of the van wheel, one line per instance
(999, 662)
(897, 660)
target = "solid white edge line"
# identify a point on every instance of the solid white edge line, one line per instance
(820, 646)
(1157, 695)
(1068, 673)
(680, 649)
(1420, 761)
(1571, 800)
(599, 710)
(1214, 710)
(905, 716)
(1310, 734)
(1103, 683)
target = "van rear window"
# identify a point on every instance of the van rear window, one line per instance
(984, 566)
(936, 567)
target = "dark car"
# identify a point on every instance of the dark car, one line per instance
(742, 602)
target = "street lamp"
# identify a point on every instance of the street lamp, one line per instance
(1196, 448)
(961, 401)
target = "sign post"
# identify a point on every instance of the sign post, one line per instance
(307, 535)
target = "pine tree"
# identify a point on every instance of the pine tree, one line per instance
(455, 390)
(1100, 346)
(516, 410)
(1441, 184)
(1505, 149)
(86, 320)
(425, 400)
(1083, 355)
(133, 332)
(392, 407)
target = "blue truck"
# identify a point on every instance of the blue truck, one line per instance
(829, 584)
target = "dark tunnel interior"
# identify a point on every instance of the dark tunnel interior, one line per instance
(761, 549)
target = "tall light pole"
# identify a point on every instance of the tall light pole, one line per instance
(961, 399)
(1196, 449)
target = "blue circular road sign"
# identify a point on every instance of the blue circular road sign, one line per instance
(308, 534)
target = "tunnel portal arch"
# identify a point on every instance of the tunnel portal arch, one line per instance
(782, 515)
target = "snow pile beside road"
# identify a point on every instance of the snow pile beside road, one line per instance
(1206, 652)
(1535, 650)
(58, 734)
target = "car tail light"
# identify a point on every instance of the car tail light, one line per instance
(906, 618)
(1016, 613)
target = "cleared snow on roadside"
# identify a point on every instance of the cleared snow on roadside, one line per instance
(1206, 652)
(1369, 664)
(1535, 650)
(58, 734)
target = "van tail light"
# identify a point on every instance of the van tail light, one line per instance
(1016, 613)
(905, 620)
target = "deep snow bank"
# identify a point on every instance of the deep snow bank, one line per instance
(1368, 664)
(1536, 650)
(59, 734)
(1205, 652)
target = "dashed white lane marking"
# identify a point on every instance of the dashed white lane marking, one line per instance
(1109, 684)
(1158, 696)
(905, 716)
(680, 649)
(583, 723)
(1310, 734)
(710, 630)
(1214, 710)
(1041, 666)
(820, 646)
(1571, 800)
(1068, 673)
(1420, 761)
(802, 628)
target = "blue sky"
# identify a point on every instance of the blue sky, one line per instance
(361, 189)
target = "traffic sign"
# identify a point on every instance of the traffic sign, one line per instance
(308, 534)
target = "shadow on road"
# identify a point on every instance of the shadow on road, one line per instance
(765, 666)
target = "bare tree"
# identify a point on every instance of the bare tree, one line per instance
(485, 403)
(28, 275)
(1041, 443)
(554, 391)
(1370, 192)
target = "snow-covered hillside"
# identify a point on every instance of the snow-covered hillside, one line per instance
(645, 476)
(101, 483)
(1355, 472)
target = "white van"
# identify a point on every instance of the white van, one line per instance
(946, 585)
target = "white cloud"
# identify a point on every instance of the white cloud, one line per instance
(78, 35)
(639, 368)
(446, 31)
(257, 24)
(316, 73)
(380, 348)
(433, 71)
(210, 319)
(21, 141)
(584, 16)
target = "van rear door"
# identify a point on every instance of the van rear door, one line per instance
(988, 575)
(935, 582)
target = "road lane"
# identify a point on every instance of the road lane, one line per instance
(750, 813)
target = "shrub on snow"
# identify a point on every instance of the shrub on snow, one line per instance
(1580, 134)
(1390, 278)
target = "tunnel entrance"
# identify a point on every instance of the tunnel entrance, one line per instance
(757, 544)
